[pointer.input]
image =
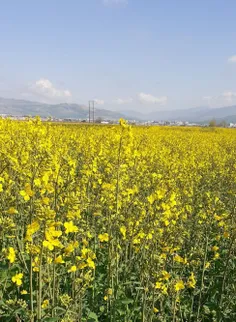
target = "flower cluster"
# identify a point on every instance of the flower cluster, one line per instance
(113, 223)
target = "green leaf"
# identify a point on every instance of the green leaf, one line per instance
(102, 308)
(127, 301)
(206, 309)
(92, 317)
(121, 312)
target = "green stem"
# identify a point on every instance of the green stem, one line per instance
(175, 306)
(40, 286)
(53, 284)
(202, 281)
(31, 287)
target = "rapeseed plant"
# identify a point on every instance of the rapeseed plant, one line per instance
(113, 223)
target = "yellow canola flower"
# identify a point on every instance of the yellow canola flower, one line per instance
(162, 287)
(123, 123)
(90, 263)
(35, 264)
(45, 304)
(45, 201)
(11, 255)
(23, 292)
(51, 233)
(27, 193)
(103, 237)
(158, 285)
(226, 234)
(24, 194)
(70, 227)
(47, 244)
(191, 281)
(123, 231)
(31, 230)
(71, 247)
(109, 291)
(207, 265)
(72, 269)
(180, 259)
(49, 260)
(12, 211)
(165, 275)
(17, 279)
(179, 285)
(59, 260)
(51, 238)
(37, 182)
(82, 265)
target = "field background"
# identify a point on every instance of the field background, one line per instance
(113, 223)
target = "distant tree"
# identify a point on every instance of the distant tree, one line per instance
(212, 123)
(223, 124)
(98, 120)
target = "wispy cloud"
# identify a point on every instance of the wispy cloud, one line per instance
(99, 101)
(44, 88)
(148, 98)
(223, 99)
(122, 101)
(114, 2)
(207, 98)
(232, 59)
(228, 95)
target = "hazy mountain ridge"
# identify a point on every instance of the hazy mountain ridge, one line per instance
(63, 110)
(78, 111)
(197, 114)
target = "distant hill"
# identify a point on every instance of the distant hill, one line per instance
(135, 115)
(64, 110)
(78, 111)
(192, 114)
(197, 114)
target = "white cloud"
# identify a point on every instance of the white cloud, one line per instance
(99, 101)
(207, 98)
(148, 98)
(224, 99)
(228, 95)
(232, 59)
(44, 88)
(122, 101)
(114, 2)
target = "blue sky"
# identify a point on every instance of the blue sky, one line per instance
(126, 54)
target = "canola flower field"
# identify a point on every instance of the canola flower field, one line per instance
(117, 224)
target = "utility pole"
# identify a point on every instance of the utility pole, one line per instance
(91, 109)
(93, 113)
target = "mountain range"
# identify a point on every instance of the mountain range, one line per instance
(63, 110)
(196, 115)
(77, 111)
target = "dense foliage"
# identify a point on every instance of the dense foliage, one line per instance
(118, 224)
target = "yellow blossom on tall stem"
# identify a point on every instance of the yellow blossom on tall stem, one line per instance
(103, 237)
(70, 227)
(179, 285)
(17, 279)
(11, 255)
